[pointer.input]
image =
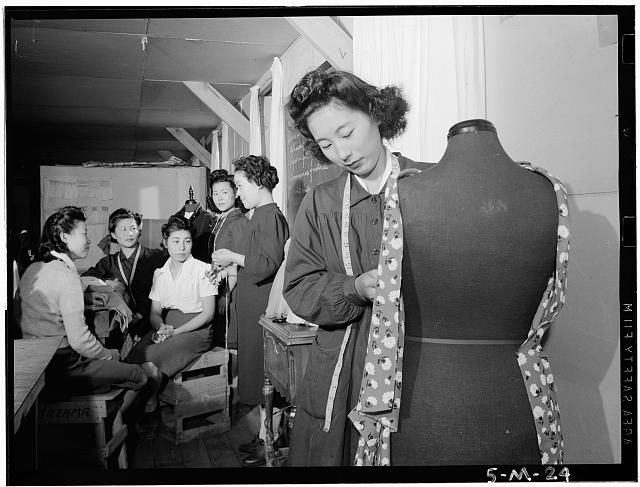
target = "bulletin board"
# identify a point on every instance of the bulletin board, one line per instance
(303, 170)
(156, 193)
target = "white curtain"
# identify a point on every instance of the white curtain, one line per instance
(277, 154)
(255, 134)
(438, 61)
(215, 150)
(225, 159)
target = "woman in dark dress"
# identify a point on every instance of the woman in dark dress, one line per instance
(330, 275)
(228, 232)
(258, 262)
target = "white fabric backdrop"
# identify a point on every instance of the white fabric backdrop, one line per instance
(215, 150)
(255, 133)
(277, 155)
(438, 61)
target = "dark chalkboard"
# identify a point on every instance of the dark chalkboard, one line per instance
(303, 170)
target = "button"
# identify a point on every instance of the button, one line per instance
(374, 221)
(375, 251)
(374, 198)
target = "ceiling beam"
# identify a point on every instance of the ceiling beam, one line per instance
(220, 106)
(191, 144)
(328, 38)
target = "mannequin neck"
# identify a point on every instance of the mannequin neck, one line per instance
(474, 142)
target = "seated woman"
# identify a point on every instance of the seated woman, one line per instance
(132, 267)
(52, 304)
(182, 305)
(228, 233)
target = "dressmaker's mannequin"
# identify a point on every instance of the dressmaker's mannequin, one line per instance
(480, 243)
(203, 222)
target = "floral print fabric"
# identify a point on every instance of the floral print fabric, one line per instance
(533, 362)
(376, 414)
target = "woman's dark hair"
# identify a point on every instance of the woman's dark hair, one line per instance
(178, 222)
(318, 88)
(122, 214)
(62, 221)
(259, 170)
(223, 176)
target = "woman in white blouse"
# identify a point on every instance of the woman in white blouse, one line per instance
(182, 306)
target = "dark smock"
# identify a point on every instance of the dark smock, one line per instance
(139, 288)
(228, 236)
(263, 250)
(317, 288)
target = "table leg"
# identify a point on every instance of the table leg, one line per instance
(267, 391)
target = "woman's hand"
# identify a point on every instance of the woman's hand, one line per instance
(162, 333)
(366, 284)
(224, 257)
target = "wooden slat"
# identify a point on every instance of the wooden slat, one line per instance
(328, 38)
(190, 143)
(221, 107)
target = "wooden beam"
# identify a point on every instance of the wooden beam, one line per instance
(220, 106)
(166, 154)
(191, 144)
(328, 38)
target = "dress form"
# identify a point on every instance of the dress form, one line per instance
(480, 243)
(203, 222)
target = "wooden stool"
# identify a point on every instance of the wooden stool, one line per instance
(198, 398)
(64, 426)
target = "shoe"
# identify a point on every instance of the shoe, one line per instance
(256, 459)
(252, 445)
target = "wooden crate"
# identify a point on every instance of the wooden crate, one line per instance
(83, 431)
(196, 400)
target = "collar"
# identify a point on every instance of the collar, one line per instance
(66, 259)
(186, 265)
(385, 175)
(133, 254)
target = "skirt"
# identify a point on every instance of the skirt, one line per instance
(176, 352)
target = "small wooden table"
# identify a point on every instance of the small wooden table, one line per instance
(30, 359)
(286, 353)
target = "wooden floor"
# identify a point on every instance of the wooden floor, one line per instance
(208, 451)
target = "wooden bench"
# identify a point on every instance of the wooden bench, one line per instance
(83, 431)
(196, 400)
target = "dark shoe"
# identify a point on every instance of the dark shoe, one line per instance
(256, 458)
(251, 446)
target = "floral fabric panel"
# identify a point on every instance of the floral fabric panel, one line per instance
(533, 362)
(376, 414)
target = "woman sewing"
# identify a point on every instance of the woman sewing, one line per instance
(330, 276)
